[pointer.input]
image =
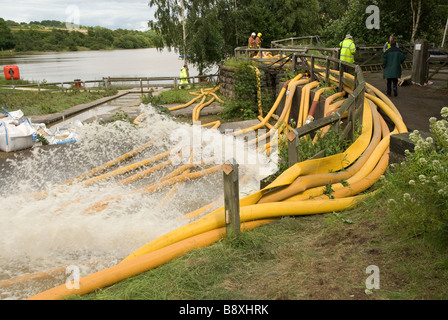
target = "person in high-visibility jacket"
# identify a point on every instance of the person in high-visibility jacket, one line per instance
(258, 40)
(347, 52)
(184, 74)
(252, 44)
(387, 44)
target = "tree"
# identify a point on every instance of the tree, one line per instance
(416, 14)
(213, 28)
(6, 37)
(193, 29)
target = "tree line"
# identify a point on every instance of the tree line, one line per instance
(208, 30)
(50, 35)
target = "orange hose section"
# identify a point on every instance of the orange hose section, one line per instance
(34, 276)
(43, 194)
(305, 102)
(103, 204)
(131, 167)
(141, 264)
(146, 172)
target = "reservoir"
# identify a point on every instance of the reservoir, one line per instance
(94, 65)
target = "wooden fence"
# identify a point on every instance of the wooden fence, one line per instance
(111, 82)
(320, 68)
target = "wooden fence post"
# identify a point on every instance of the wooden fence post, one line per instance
(231, 198)
(293, 148)
(420, 62)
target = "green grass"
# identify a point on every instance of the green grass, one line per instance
(32, 102)
(298, 258)
(35, 103)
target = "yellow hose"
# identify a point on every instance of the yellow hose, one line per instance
(216, 219)
(139, 265)
(274, 107)
(305, 182)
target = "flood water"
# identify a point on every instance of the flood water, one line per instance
(94, 65)
(46, 233)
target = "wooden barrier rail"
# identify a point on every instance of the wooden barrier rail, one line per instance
(107, 82)
(353, 104)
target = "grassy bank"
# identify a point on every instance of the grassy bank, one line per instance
(32, 102)
(314, 257)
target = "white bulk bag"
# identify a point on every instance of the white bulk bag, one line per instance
(16, 134)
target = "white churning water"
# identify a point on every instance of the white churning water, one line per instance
(54, 232)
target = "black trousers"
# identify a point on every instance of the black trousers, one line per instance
(390, 82)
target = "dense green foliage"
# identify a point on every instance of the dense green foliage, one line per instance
(52, 36)
(245, 104)
(395, 17)
(417, 189)
(214, 28)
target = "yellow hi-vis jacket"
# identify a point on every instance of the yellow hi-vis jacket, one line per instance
(348, 50)
(183, 74)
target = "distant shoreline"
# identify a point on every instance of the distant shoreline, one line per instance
(6, 53)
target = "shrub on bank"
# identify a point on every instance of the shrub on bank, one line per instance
(417, 189)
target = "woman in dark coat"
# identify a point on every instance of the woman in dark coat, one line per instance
(392, 60)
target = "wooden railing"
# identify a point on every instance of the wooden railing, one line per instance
(319, 68)
(108, 82)
(297, 41)
(368, 57)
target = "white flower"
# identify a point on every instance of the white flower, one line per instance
(422, 161)
(406, 196)
(444, 112)
(411, 182)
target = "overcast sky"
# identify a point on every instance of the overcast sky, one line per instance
(128, 14)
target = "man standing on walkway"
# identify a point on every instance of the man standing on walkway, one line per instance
(348, 50)
(392, 60)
